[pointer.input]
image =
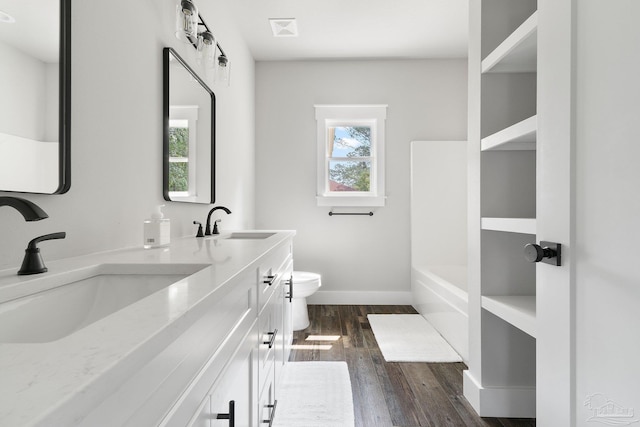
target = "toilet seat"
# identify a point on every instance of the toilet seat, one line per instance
(305, 283)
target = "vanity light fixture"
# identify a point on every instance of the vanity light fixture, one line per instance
(191, 28)
(187, 21)
(206, 49)
(5, 18)
(223, 70)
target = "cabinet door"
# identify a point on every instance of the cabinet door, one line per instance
(268, 333)
(203, 417)
(235, 385)
(267, 404)
(287, 313)
(284, 320)
(278, 311)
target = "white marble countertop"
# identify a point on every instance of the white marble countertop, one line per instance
(39, 380)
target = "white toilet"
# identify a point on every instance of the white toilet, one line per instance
(304, 285)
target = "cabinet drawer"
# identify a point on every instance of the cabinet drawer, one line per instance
(267, 404)
(270, 274)
(268, 336)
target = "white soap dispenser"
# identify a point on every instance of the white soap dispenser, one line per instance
(157, 229)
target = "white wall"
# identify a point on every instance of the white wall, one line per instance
(607, 206)
(439, 204)
(362, 259)
(116, 133)
(23, 80)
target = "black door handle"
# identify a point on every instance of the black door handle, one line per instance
(547, 252)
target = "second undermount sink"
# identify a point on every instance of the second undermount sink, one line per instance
(81, 298)
(256, 235)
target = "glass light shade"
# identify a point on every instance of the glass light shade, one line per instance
(187, 21)
(223, 70)
(206, 49)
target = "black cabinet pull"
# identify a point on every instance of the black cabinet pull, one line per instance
(272, 339)
(290, 294)
(270, 279)
(272, 415)
(231, 416)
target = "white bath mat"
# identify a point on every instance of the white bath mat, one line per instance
(315, 394)
(410, 338)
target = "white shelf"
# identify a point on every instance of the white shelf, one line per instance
(520, 311)
(521, 136)
(510, 225)
(518, 52)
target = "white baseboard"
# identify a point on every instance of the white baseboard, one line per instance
(502, 402)
(360, 298)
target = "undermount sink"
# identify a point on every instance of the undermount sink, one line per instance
(82, 298)
(256, 235)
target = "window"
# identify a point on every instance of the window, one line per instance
(350, 141)
(182, 139)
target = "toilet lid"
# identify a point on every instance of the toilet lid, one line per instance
(305, 277)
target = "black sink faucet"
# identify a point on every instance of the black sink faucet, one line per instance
(32, 263)
(29, 210)
(207, 230)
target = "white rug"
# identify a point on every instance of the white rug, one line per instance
(410, 338)
(315, 394)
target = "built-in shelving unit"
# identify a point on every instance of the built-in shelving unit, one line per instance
(511, 225)
(520, 311)
(521, 136)
(503, 128)
(517, 53)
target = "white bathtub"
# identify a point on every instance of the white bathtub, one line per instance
(440, 295)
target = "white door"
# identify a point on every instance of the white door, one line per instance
(588, 309)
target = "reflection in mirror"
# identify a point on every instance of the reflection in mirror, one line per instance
(189, 134)
(35, 51)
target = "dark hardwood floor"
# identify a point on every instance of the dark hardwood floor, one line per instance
(388, 394)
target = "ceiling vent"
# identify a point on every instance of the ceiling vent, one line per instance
(284, 27)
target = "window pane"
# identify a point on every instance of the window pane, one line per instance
(349, 175)
(179, 176)
(178, 142)
(350, 142)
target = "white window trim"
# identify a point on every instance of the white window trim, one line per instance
(341, 115)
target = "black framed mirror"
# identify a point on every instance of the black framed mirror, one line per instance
(35, 105)
(189, 109)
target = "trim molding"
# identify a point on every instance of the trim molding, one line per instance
(503, 402)
(361, 298)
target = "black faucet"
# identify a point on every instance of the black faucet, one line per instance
(29, 210)
(207, 230)
(32, 262)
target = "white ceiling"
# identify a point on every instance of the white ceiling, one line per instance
(355, 29)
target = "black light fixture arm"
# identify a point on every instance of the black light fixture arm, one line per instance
(204, 24)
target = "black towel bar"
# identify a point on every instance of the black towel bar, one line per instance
(350, 213)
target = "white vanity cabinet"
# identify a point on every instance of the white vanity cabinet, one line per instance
(227, 354)
(246, 388)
